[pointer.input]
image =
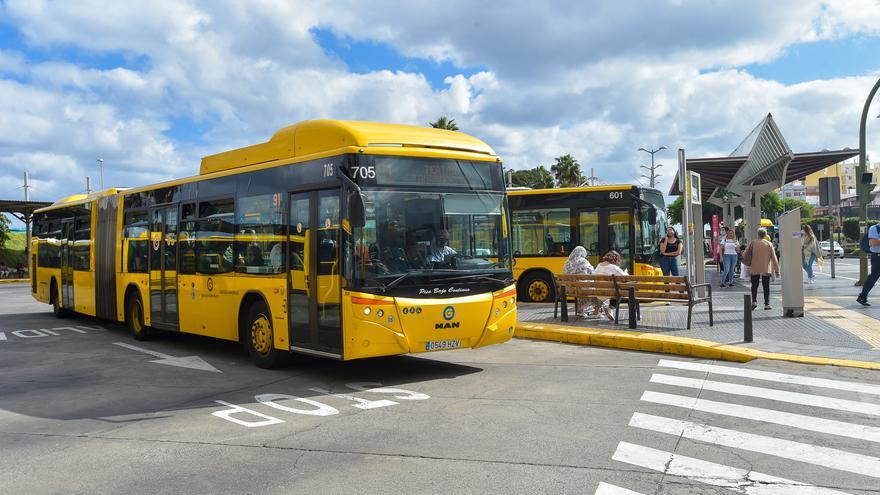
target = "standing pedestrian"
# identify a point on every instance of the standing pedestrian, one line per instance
(760, 256)
(729, 253)
(873, 245)
(809, 252)
(670, 249)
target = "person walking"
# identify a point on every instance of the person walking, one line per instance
(874, 246)
(810, 252)
(729, 253)
(761, 259)
(670, 249)
(579, 264)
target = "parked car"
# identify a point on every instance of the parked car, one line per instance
(825, 246)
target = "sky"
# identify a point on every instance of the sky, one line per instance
(151, 87)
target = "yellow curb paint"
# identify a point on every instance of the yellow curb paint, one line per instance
(14, 280)
(667, 344)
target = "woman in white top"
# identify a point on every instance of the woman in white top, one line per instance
(729, 250)
(809, 252)
(610, 265)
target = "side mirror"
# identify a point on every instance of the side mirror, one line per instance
(356, 214)
(652, 216)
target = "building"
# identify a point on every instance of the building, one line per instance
(845, 170)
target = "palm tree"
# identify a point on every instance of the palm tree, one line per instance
(444, 123)
(567, 171)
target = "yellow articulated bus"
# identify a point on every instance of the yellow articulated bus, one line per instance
(338, 239)
(548, 223)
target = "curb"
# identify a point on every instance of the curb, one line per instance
(666, 344)
(13, 280)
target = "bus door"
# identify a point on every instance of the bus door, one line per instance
(67, 239)
(618, 224)
(163, 267)
(314, 273)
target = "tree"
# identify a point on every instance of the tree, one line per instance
(536, 178)
(4, 230)
(771, 205)
(791, 203)
(567, 171)
(444, 123)
(675, 211)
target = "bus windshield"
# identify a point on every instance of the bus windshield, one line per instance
(431, 233)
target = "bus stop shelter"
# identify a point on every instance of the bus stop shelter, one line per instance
(23, 211)
(762, 163)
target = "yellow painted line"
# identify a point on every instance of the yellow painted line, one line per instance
(667, 344)
(13, 280)
(857, 323)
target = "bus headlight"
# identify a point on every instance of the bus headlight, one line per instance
(380, 313)
(504, 304)
(367, 311)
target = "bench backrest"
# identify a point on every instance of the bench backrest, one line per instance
(647, 287)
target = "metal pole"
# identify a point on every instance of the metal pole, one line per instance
(747, 318)
(27, 225)
(684, 185)
(101, 167)
(88, 185)
(862, 189)
(831, 250)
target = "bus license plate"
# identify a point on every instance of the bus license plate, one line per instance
(436, 345)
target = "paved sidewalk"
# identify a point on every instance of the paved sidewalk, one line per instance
(834, 325)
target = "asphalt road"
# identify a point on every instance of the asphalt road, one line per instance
(81, 414)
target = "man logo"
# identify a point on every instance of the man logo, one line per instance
(448, 324)
(448, 313)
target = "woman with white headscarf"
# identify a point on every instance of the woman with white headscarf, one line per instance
(578, 264)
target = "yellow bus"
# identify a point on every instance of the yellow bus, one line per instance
(339, 239)
(548, 223)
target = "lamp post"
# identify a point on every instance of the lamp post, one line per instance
(863, 190)
(652, 178)
(101, 168)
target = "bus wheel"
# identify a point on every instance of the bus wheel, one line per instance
(134, 318)
(57, 310)
(537, 287)
(260, 338)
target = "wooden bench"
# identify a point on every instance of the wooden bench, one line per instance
(631, 289)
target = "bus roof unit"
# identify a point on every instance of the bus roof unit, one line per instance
(312, 137)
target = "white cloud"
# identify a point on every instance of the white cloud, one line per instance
(594, 79)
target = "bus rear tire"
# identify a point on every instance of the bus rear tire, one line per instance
(57, 310)
(537, 287)
(260, 338)
(134, 318)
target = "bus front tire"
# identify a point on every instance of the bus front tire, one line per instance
(537, 287)
(260, 338)
(134, 318)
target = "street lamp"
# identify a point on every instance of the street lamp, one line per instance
(101, 167)
(863, 188)
(652, 177)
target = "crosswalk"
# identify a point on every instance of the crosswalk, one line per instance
(699, 402)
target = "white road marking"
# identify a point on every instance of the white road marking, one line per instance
(2, 335)
(236, 409)
(769, 393)
(72, 329)
(863, 388)
(361, 403)
(609, 489)
(734, 479)
(191, 362)
(800, 421)
(786, 449)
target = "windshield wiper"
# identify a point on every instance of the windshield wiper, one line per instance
(479, 275)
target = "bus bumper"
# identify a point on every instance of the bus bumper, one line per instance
(385, 326)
